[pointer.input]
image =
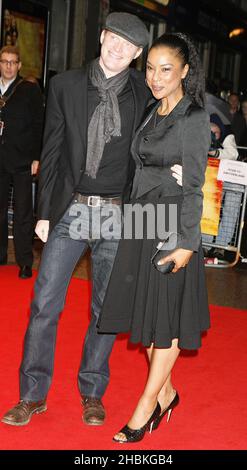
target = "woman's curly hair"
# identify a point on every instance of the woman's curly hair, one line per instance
(194, 82)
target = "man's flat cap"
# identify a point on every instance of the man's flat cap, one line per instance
(129, 27)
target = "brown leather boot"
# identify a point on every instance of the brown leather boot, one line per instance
(93, 411)
(22, 413)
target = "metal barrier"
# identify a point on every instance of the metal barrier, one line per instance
(230, 226)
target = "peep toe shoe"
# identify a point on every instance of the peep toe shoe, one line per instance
(135, 435)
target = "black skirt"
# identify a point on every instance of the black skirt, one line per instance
(154, 307)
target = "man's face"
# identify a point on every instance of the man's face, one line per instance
(244, 108)
(234, 102)
(116, 53)
(9, 66)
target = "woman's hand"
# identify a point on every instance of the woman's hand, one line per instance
(34, 167)
(177, 173)
(180, 256)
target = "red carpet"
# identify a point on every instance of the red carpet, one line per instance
(212, 384)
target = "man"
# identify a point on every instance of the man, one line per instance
(21, 120)
(92, 114)
(237, 120)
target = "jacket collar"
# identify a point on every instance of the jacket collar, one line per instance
(12, 85)
(179, 110)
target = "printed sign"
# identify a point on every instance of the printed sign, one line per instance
(233, 172)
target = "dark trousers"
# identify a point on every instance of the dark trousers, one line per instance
(59, 257)
(23, 216)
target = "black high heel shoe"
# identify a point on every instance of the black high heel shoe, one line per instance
(135, 435)
(167, 411)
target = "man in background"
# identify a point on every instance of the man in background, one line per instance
(237, 120)
(21, 122)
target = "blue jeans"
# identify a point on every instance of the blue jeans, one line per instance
(60, 255)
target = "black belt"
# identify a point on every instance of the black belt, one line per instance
(96, 201)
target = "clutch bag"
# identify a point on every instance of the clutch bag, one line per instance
(165, 248)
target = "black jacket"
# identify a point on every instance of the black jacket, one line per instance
(182, 138)
(22, 114)
(65, 139)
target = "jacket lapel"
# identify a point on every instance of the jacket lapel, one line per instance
(13, 84)
(81, 108)
(140, 101)
(144, 123)
(179, 110)
(171, 119)
(148, 117)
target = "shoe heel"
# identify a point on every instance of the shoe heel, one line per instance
(151, 427)
(167, 412)
(42, 409)
(169, 415)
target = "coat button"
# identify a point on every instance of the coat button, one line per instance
(146, 139)
(143, 157)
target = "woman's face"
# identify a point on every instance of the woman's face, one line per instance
(164, 73)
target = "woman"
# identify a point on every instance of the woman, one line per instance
(165, 312)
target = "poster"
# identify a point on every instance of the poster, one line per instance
(212, 191)
(24, 24)
(28, 33)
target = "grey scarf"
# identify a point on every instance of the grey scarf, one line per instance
(105, 121)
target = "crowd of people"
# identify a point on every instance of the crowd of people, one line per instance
(229, 133)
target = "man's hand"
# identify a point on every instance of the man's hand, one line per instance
(180, 256)
(34, 167)
(42, 229)
(177, 172)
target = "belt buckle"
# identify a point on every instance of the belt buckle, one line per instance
(93, 201)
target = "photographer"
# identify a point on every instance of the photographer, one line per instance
(223, 143)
